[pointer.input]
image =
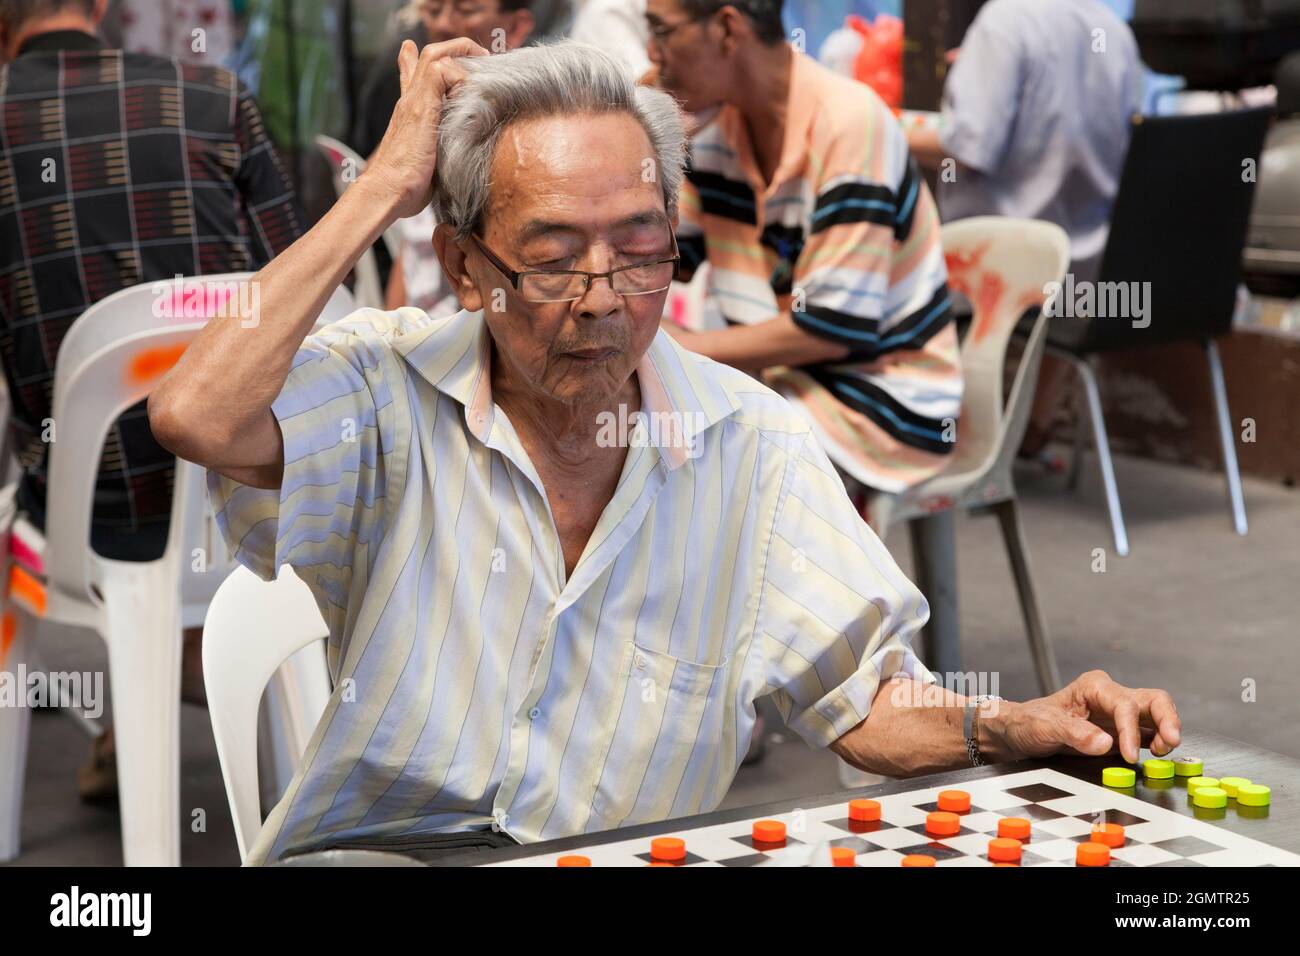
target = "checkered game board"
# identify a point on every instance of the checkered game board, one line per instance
(1061, 809)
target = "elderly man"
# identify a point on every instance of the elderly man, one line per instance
(540, 624)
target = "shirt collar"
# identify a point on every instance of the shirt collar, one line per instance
(680, 400)
(801, 109)
(56, 40)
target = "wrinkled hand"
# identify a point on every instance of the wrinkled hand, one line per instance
(402, 165)
(1090, 717)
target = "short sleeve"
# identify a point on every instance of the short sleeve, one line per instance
(837, 616)
(982, 93)
(690, 232)
(872, 272)
(341, 430)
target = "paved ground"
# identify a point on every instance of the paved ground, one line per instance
(1194, 609)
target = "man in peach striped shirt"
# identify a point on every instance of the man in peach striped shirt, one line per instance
(822, 238)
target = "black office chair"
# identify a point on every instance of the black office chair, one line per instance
(1179, 223)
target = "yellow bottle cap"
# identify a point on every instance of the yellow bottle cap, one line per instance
(1253, 795)
(1210, 797)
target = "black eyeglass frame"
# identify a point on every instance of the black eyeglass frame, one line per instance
(517, 276)
(663, 31)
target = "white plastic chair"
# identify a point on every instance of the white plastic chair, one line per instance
(345, 166)
(1002, 266)
(253, 627)
(109, 360)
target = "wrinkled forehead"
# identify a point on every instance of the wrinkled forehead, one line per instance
(586, 173)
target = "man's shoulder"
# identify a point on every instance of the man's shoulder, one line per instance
(847, 109)
(146, 73)
(375, 328)
(758, 412)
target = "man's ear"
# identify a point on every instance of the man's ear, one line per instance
(99, 12)
(455, 267)
(522, 24)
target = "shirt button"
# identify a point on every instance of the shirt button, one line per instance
(534, 713)
(640, 660)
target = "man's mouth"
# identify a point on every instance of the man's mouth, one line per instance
(592, 355)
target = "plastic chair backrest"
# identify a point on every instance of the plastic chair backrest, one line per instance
(110, 359)
(253, 626)
(1178, 231)
(1004, 267)
(346, 164)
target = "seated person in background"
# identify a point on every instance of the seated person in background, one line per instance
(435, 21)
(415, 278)
(616, 26)
(120, 188)
(1036, 112)
(560, 556)
(822, 240)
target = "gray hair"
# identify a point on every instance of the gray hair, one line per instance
(558, 79)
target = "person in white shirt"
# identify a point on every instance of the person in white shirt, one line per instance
(618, 27)
(1036, 112)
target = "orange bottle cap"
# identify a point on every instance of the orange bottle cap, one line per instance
(1004, 849)
(668, 848)
(954, 801)
(864, 811)
(942, 823)
(769, 831)
(574, 860)
(1110, 834)
(918, 859)
(1092, 854)
(1015, 828)
(843, 856)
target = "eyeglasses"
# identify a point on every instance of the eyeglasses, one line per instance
(461, 9)
(566, 285)
(659, 32)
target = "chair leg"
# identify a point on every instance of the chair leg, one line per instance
(1226, 437)
(15, 727)
(1093, 397)
(1080, 439)
(143, 631)
(934, 556)
(1040, 644)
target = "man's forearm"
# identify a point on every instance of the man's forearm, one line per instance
(776, 342)
(925, 146)
(916, 729)
(220, 392)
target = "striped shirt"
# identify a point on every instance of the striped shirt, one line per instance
(846, 239)
(475, 683)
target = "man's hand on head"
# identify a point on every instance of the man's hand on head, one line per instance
(402, 165)
(1091, 716)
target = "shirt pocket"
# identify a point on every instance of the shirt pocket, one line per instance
(681, 698)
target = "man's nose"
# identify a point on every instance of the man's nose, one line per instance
(600, 299)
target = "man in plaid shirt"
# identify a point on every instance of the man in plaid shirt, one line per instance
(115, 169)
